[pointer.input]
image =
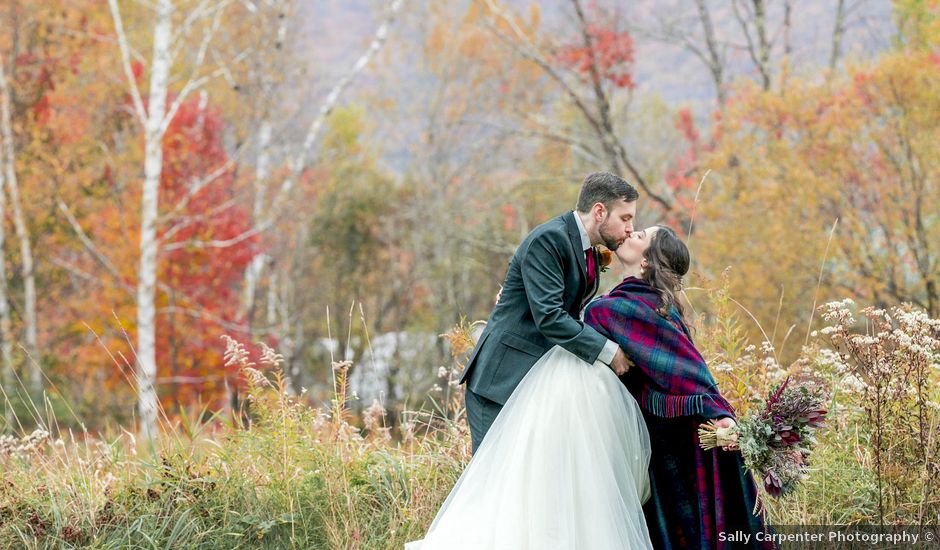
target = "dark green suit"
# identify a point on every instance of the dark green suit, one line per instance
(542, 296)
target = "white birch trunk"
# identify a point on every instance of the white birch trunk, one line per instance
(22, 235)
(255, 269)
(155, 116)
(154, 129)
(6, 341)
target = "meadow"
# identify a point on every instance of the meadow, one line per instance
(285, 474)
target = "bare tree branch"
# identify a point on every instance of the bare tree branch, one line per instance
(195, 83)
(138, 102)
(225, 243)
(298, 162)
(838, 31)
(714, 61)
(759, 53)
(182, 222)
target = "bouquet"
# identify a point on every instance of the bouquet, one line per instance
(776, 442)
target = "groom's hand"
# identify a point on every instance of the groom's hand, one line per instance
(621, 363)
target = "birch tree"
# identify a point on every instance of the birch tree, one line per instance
(267, 62)
(22, 234)
(6, 344)
(154, 117)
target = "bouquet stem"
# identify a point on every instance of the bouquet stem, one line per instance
(711, 436)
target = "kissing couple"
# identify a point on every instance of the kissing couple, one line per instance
(584, 413)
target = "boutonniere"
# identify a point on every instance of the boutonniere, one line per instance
(604, 257)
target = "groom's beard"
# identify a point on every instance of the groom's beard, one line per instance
(611, 242)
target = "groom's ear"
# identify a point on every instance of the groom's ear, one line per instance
(599, 211)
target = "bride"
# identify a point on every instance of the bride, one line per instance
(564, 466)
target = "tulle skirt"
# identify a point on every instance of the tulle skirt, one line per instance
(563, 467)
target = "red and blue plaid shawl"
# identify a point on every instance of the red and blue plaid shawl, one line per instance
(673, 379)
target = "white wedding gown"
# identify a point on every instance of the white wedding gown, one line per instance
(564, 467)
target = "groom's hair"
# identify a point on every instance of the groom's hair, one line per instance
(605, 188)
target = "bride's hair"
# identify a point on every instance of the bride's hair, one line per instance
(668, 259)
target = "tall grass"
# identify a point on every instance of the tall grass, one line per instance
(285, 474)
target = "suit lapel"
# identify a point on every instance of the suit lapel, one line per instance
(575, 235)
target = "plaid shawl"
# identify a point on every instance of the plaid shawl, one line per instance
(673, 379)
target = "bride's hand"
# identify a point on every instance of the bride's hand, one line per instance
(620, 363)
(727, 423)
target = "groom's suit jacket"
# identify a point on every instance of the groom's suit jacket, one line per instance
(539, 306)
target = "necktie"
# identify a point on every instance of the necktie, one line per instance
(591, 268)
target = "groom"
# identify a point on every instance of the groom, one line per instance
(552, 275)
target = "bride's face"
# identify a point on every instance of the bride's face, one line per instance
(630, 253)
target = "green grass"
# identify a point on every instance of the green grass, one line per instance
(841, 488)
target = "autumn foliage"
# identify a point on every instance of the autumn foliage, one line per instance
(202, 279)
(605, 50)
(418, 189)
(860, 151)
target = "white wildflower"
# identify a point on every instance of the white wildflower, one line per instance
(256, 378)
(269, 357)
(722, 367)
(852, 383)
(373, 416)
(235, 353)
(863, 340)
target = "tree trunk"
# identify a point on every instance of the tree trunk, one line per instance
(147, 270)
(715, 65)
(760, 25)
(255, 269)
(6, 341)
(22, 234)
(838, 31)
(759, 52)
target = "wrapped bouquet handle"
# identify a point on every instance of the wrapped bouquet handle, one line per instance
(712, 436)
